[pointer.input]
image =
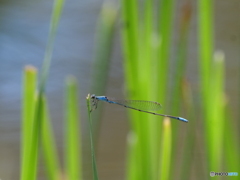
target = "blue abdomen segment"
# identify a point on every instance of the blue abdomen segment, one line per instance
(104, 98)
(182, 119)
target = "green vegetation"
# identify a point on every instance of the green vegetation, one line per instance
(36, 130)
(73, 150)
(147, 44)
(158, 148)
(94, 165)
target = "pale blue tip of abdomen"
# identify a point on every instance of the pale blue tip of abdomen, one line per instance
(182, 119)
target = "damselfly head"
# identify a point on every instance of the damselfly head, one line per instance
(93, 96)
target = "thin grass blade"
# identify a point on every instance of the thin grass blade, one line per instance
(49, 146)
(73, 150)
(205, 45)
(216, 114)
(205, 15)
(231, 144)
(38, 115)
(132, 157)
(28, 104)
(35, 139)
(165, 156)
(94, 164)
(56, 14)
(130, 35)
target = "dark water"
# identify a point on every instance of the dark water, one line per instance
(23, 33)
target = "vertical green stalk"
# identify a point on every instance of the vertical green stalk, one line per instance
(131, 42)
(147, 56)
(132, 156)
(31, 164)
(35, 139)
(94, 165)
(161, 64)
(146, 46)
(165, 32)
(73, 150)
(49, 146)
(165, 157)
(148, 43)
(28, 105)
(205, 15)
(231, 144)
(146, 74)
(130, 36)
(205, 25)
(215, 133)
(56, 14)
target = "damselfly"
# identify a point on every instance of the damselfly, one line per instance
(142, 106)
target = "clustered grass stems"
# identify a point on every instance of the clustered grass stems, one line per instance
(34, 100)
(152, 149)
(146, 50)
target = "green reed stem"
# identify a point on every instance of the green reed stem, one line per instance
(216, 113)
(94, 165)
(73, 150)
(49, 146)
(56, 14)
(165, 157)
(29, 86)
(31, 165)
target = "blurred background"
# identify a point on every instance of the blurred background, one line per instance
(24, 27)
